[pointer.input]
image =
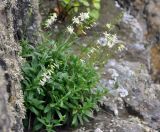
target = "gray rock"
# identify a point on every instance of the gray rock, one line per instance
(143, 97)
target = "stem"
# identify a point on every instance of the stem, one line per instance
(58, 5)
(29, 125)
(67, 4)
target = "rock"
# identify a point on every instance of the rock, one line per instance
(132, 23)
(13, 20)
(152, 10)
(142, 99)
(147, 12)
(146, 105)
(27, 21)
(106, 123)
(98, 130)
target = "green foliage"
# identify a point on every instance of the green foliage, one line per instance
(92, 6)
(59, 89)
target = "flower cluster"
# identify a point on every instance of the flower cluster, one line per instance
(47, 75)
(70, 29)
(51, 20)
(108, 39)
(78, 20)
(81, 18)
(121, 47)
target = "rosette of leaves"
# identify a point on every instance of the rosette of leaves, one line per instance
(68, 97)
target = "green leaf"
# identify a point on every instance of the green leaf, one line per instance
(74, 121)
(35, 111)
(66, 1)
(38, 126)
(59, 114)
(41, 120)
(85, 118)
(89, 113)
(97, 5)
(85, 3)
(49, 116)
(47, 108)
(80, 119)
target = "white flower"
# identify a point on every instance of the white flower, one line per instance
(54, 17)
(76, 20)
(70, 29)
(44, 79)
(106, 34)
(111, 39)
(92, 50)
(83, 16)
(51, 20)
(114, 38)
(102, 41)
(47, 75)
(122, 92)
(88, 27)
(84, 45)
(48, 23)
(42, 83)
(121, 47)
(96, 67)
(88, 55)
(110, 44)
(83, 61)
(108, 25)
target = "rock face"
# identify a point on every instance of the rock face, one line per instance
(142, 99)
(27, 20)
(147, 12)
(13, 25)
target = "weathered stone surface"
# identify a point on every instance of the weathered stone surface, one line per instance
(143, 96)
(12, 110)
(27, 20)
(12, 99)
(107, 123)
(4, 118)
(147, 12)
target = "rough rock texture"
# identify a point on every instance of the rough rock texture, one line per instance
(142, 99)
(12, 99)
(145, 9)
(147, 12)
(12, 110)
(27, 20)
